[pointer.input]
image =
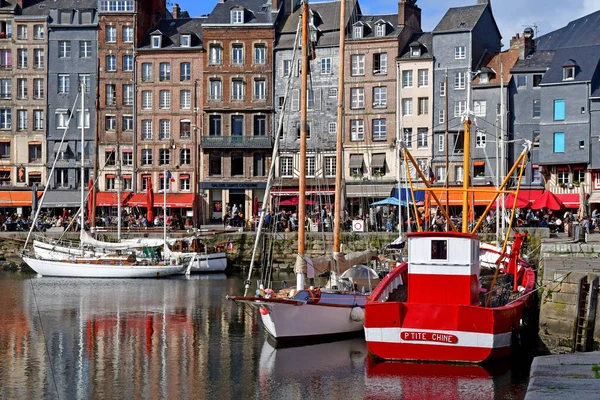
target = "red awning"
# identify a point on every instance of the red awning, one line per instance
(109, 199)
(570, 200)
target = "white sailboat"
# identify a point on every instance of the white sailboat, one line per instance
(302, 314)
(88, 264)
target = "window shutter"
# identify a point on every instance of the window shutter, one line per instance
(295, 100)
(280, 73)
(317, 99)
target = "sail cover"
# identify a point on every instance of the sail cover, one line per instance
(125, 244)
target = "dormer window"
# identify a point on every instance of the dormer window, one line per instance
(484, 77)
(156, 41)
(185, 40)
(357, 32)
(415, 52)
(569, 73)
(237, 16)
(313, 35)
(380, 30)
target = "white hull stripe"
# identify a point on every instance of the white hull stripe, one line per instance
(438, 337)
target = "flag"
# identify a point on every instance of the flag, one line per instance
(170, 177)
(431, 175)
(229, 245)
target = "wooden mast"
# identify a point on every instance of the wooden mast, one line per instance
(466, 158)
(339, 167)
(300, 268)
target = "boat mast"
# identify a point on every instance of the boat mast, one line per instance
(118, 192)
(339, 168)
(300, 268)
(399, 140)
(165, 183)
(466, 157)
(82, 177)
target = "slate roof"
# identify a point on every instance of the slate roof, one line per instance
(171, 29)
(492, 61)
(257, 12)
(7, 6)
(370, 21)
(581, 32)
(460, 19)
(43, 7)
(587, 58)
(425, 39)
(538, 61)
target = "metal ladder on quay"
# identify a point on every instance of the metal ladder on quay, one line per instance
(585, 320)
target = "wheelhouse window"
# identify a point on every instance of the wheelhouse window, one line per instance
(439, 249)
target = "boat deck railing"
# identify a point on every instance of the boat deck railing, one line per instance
(56, 242)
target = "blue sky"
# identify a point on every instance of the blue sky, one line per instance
(512, 16)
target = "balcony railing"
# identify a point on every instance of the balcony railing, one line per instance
(236, 142)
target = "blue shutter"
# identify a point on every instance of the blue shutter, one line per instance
(559, 110)
(559, 142)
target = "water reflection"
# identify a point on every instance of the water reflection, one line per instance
(180, 338)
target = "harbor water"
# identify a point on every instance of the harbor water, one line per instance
(180, 338)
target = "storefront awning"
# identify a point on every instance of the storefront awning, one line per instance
(570, 200)
(372, 191)
(61, 149)
(455, 198)
(325, 191)
(174, 200)
(356, 161)
(16, 199)
(378, 161)
(110, 199)
(62, 198)
(594, 198)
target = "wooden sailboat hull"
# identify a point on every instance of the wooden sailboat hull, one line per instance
(208, 262)
(112, 269)
(299, 319)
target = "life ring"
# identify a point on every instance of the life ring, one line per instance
(315, 295)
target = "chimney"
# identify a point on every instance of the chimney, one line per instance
(484, 2)
(409, 15)
(274, 5)
(524, 43)
(176, 11)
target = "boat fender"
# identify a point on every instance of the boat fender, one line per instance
(357, 314)
(315, 295)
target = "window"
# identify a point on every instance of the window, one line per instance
(146, 100)
(562, 177)
(64, 49)
(5, 118)
(110, 157)
(185, 99)
(310, 166)
(110, 122)
(22, 120)
(579, 175)
(441, 116)
(111, 34)
(128, 62)
(380, 96)
(459, 80)
(423, 77)
(380, 30)
(146, 72)
(214, 125)
(332, 128)
(38, 32)
(214, 164)
(237, 125)
(237, 16)
(415, 51)
(127, 123)
(407, 137)
(332, 93)
(480, 140)
(146, 156)
(358, 98)
(258, 164)
(286, 67)
(379, 129)
(83, 118)
(111, 63)
(310, 99)
(165, 72)
(326, 65)
(85, 80)
(422, 137)
(22, 58)
(459, 108)
(62, 119)
(146, 129)
(111, 95)
(329, 167)
(260, 125)
(156, 41)
(128, 34)
(521, 80)
(237, 164)
(21, 32)
(215, 54)
(286, 168)
(214, 89)
(568, 73)
(38, 120)
(237, 89)
(380, 63)
(559, 142)
(460, 53)
(358, 64)
(559, 110)
(127, 157)
(537, 80)
(440, 174)
(165, 99)
(260, 91)
(407, 79)
(185, 71)
(459, 173)
(442, 89)
(6, 88)
(164, 156)
(165, 129)
(128, 94)
(4, 150)
(35, 152)
(38, 59)
(64, 83)
(62, 178)
(484, 77)
(480, 108)
(127, 181)
(407, 107)
(357, 32)
(260, 54)
(237, 54)
(423, 106)
(357, 129)
(85, 49)
(185, 129)
(537, 108)
(441, 143)
(185, 157)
